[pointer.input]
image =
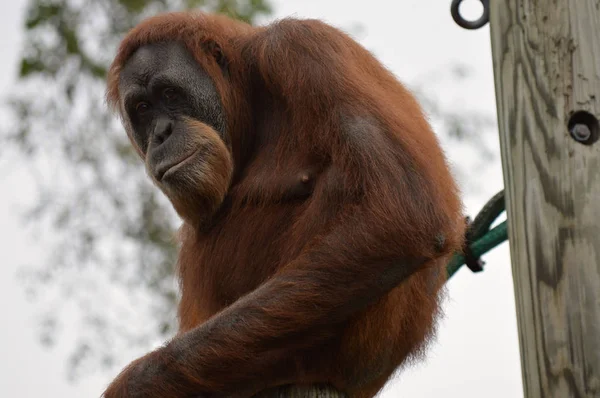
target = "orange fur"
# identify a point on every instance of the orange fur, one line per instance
(321, 264)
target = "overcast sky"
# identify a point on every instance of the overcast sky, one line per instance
(476, 352)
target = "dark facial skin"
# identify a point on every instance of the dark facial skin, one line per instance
(177, 121)
(163, 85)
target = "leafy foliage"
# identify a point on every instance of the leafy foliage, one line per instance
(112, 242)
(108, 286)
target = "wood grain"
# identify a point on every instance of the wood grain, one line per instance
(547, 66)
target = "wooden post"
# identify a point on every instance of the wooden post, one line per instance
(547, 67)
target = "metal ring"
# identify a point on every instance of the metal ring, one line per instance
(478, 23)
